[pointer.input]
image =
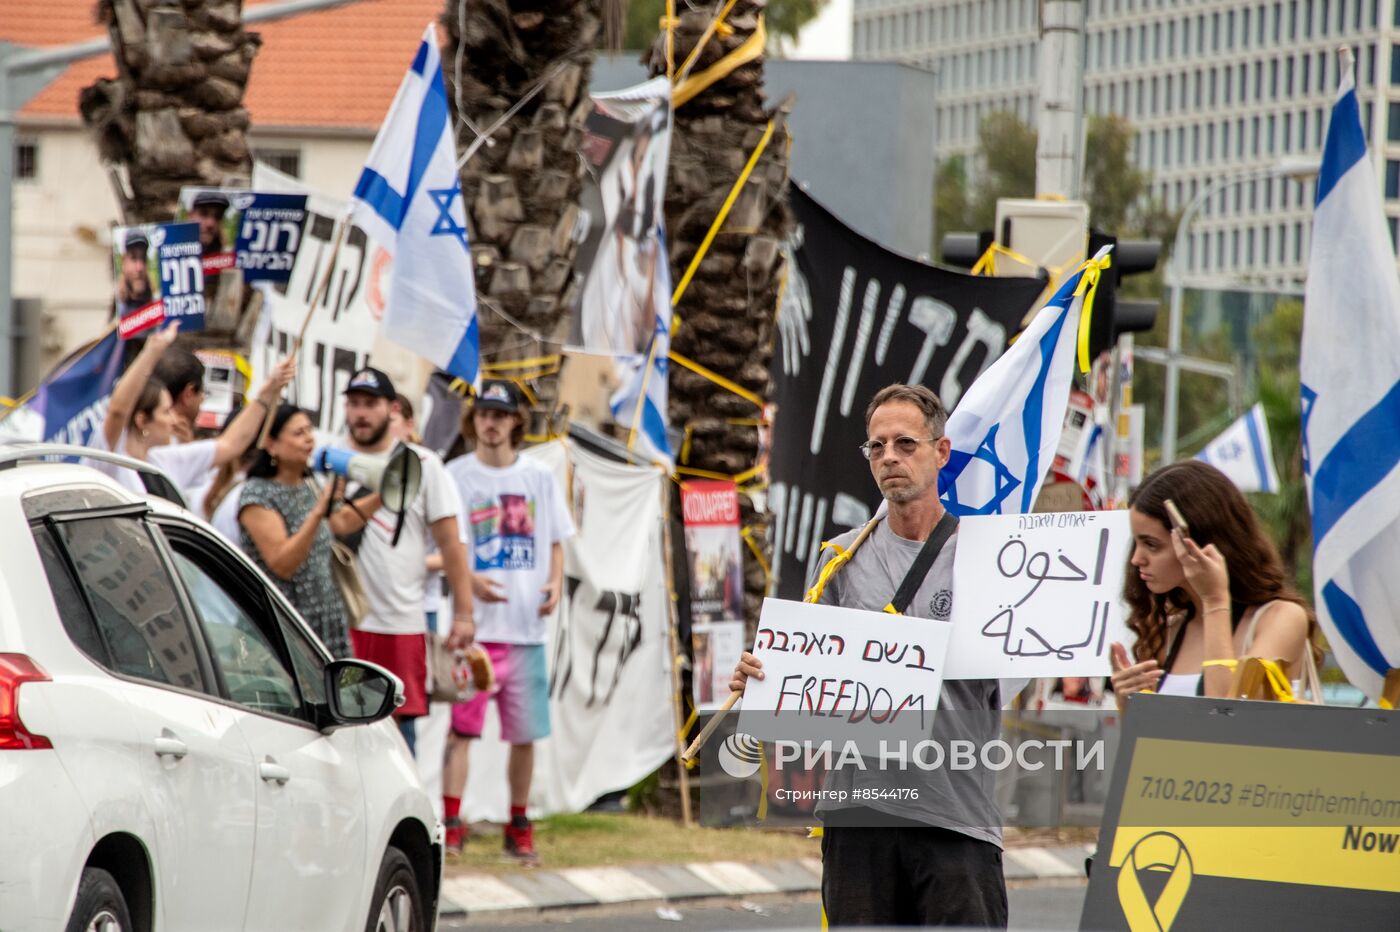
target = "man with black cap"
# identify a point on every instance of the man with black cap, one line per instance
(392, 558)
(208, 209)
(517, 520)
(134, 284)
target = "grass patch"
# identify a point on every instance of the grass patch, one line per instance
(604, 839)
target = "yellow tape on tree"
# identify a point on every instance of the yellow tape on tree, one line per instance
(723, 213)
(718, 379)
(715, 25)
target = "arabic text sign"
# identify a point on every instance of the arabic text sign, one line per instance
(1038, 594)
(840, 673)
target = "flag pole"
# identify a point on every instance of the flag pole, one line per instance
(320, 296)
(677, 712)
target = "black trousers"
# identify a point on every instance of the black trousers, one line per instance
(920, 876)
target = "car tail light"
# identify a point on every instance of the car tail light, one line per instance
(15, 670)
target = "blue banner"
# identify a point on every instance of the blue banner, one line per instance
(73, 400)
(269, 234)
(181, 274)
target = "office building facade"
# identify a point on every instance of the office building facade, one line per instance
(1212, 88)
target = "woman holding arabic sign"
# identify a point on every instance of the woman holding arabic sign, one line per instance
(1205, 589)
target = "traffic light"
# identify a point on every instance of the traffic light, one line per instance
(1112, 316)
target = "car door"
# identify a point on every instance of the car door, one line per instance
(309, 849)
(197, 766)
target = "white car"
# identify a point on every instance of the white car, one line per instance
(177, 749)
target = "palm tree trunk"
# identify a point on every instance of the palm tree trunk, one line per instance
(728, 310)
(174, 116)
(521, 189)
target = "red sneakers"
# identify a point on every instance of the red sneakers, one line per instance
(520, 840)
(455, 837)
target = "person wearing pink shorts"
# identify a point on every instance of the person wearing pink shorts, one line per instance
(521, 695)
(515, 523)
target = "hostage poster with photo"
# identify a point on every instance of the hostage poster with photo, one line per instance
(218, 219)
(622, 263)
(159, 277)
(714, 550)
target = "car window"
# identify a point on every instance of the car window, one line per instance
(308, 662)
(246, 657)
(72, 608)
(133, 600)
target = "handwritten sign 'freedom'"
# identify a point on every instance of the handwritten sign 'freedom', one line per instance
(843, 674)
(1038, 594)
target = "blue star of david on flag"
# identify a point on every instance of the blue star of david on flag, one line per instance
(446, 224)
(1004, 482)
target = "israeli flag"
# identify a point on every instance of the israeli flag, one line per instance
(639, 404)
(1006, 428)
(409, 200)
(1350, 370)
(1244, 453)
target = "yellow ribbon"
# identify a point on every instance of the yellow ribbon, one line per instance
(692, 86)
(987, 264)
(1159, 851)
(738, 478)
(532, 363)
(1273, 674)
(1390, 691)
(723, 211)
(747, 534)
(669, 22)
(1088, 288)
(715, 377)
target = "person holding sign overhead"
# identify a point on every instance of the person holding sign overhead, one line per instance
(141, 422)
(1205, 588)
(931, 853)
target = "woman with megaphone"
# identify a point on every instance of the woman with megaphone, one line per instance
(286, 525)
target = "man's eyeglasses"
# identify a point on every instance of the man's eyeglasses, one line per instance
(904, 446)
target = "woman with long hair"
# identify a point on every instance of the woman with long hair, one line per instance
(287, 525)
(1216, 593)
(141, 422)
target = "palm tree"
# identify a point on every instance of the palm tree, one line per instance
(523, 71)
(174, 116)
(727, 311)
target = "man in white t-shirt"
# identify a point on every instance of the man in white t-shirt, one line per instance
(392, 560)
(517, 520)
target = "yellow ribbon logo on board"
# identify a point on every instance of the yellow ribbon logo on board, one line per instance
(1159, 851)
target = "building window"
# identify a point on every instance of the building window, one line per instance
(26, 159)
(1371, 65)
(1394, 225)
(1265, 246)
(1287, 133)
(1392, 179)
(286, 161)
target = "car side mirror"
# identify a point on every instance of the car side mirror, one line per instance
(360, 692)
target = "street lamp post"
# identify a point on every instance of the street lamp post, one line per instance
(19, 63)
(1297, 170)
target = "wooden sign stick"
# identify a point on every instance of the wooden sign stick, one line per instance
(320, 296)
(694, 750)
(710, 726)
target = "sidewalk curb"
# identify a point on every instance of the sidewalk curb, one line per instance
(591, 886)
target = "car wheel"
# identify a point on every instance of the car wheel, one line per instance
(100, 906)
(397, 905)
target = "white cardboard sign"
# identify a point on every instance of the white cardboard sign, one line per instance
(838, 668)
(1039, 594)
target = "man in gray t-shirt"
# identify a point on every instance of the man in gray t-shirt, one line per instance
(935, 858)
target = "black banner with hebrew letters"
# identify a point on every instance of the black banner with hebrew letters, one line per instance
(855, 318)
